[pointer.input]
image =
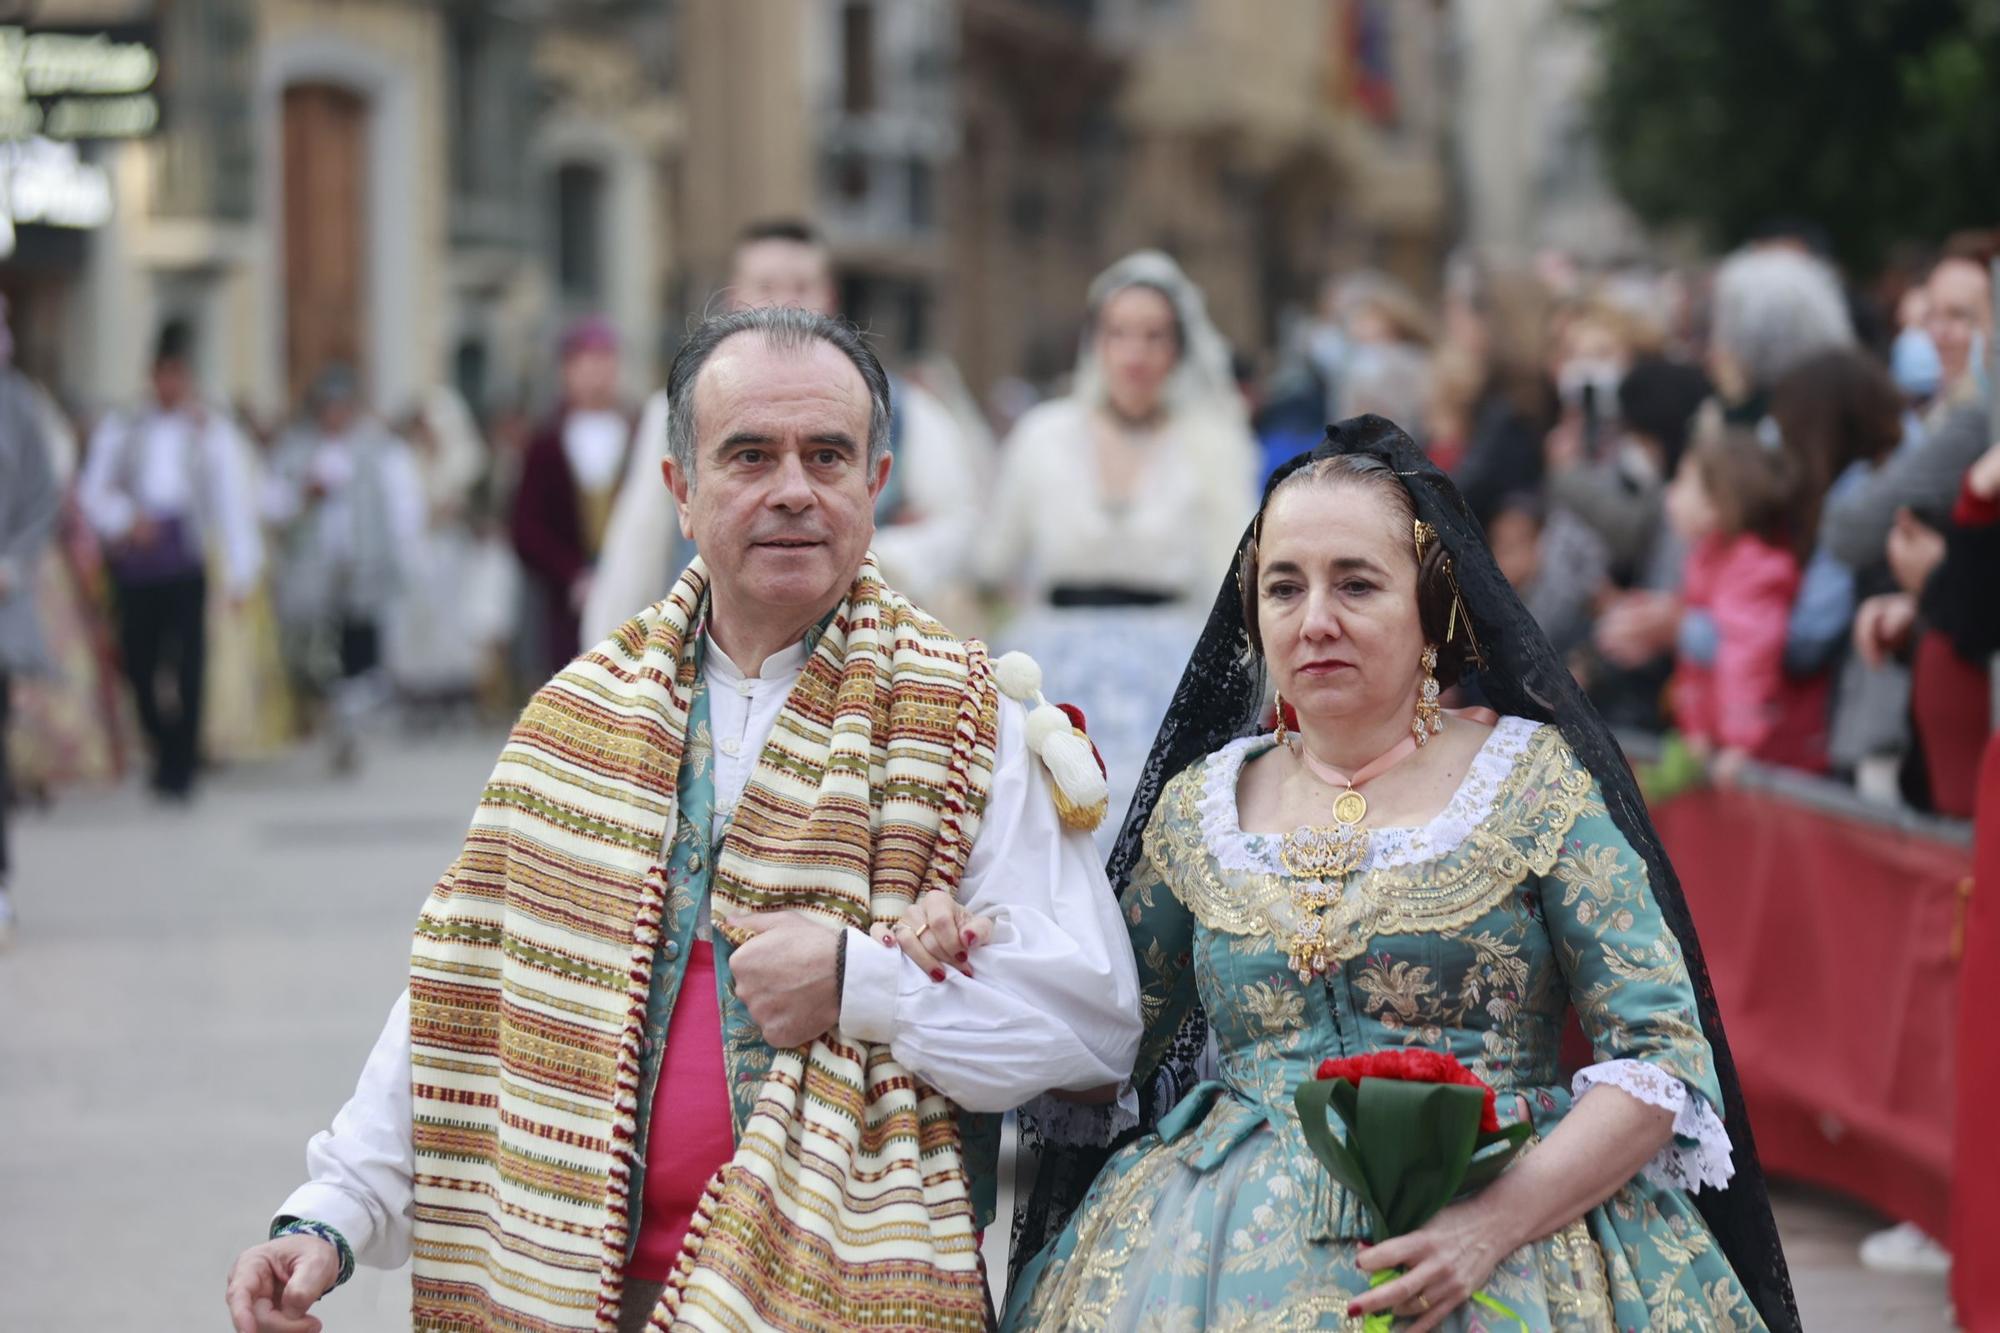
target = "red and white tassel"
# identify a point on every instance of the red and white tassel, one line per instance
(1083, 796)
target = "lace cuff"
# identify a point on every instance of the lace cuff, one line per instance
(1700, 1155)
(1053, 1120)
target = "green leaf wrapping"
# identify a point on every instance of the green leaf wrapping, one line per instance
(1410, 1147)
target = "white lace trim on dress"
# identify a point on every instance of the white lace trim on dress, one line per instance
(1257, 853)
(1700, 1156)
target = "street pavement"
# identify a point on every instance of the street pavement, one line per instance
(191, 993)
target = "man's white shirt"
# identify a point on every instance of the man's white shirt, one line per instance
(1054, 1002)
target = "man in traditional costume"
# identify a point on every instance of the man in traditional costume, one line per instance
(347, 503)
(788, 751)
(161, 485)
(569, 483)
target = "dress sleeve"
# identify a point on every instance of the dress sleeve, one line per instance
(1628, 979)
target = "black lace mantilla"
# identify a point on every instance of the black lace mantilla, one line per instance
(1222, 696)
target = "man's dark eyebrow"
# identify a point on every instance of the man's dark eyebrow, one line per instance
(743, 437)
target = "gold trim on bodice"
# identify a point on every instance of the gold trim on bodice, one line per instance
(1543, 796)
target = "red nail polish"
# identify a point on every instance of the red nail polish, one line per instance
(937, 974)
(888, 942)
(968, 971)
(970, 937)
(963, 956)
(1353, 1309)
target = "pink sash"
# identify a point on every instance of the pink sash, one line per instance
(690, 1136)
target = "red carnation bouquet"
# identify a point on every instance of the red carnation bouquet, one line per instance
(1421, 1130)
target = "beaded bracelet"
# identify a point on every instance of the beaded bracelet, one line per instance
(299, 1226)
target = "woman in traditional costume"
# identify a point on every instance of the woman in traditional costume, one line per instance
(1117, 502)
(1377, 876)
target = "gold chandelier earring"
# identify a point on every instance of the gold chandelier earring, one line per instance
(1281, 733)
(1429, 720)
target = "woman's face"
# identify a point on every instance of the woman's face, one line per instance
(1138, 348)
(1337, 602)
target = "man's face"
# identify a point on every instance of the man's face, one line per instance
(781, 273)
(171, 383)
(1960, 314)
(782, 505)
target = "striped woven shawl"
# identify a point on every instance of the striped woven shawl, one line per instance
(846, 1203)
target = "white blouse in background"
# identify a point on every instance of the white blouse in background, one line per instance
(1051, 523)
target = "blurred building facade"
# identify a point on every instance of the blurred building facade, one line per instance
(422, 191)
(1527, 166)
(427, 189)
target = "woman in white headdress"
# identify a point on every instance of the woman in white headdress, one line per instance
(1117, 502)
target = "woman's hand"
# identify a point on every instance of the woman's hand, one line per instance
(937, 932)
(1444, 1262)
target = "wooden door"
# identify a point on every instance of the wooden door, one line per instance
(326, 249)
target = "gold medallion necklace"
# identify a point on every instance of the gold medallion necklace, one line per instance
(1317, 857)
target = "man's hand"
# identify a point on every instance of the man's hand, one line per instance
(937, 932)
(784, 976)
(271, 1286)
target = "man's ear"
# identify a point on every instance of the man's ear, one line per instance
(881, 477)
(678, 484)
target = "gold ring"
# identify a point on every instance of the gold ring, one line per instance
(1423, 1303)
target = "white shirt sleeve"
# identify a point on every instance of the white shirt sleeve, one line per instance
(635, 566)
(110, 511)
(362, 1171)
(1053, 1001)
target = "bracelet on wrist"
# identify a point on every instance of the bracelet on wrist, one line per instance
(302, 1226)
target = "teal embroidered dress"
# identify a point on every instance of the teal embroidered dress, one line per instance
(1474, 934)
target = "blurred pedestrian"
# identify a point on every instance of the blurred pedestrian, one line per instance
(162, 483)
(29, 503)
(1499, 317)
(1117, 503)
(348, 505)
(436, 653)
(1774, 308)
(1958, 320)
(569, 482)
(923, 519)
(1733, 502)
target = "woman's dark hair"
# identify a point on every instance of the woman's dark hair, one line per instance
(1434, 587)
(1834, 410)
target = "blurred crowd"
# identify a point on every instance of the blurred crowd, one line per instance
(1753, 505)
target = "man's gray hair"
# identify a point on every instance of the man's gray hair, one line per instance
(1776, 308)
(783, 327)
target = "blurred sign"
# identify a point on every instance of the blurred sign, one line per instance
(46, 183)
(78, 85)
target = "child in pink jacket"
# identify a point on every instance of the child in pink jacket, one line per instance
(1732, 501)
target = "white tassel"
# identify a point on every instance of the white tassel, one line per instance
(1020, 677)
(1044, 722)
(1083, 798)
(1074, 767)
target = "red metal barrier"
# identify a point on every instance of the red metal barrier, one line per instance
(1830, 940)
(1975, 1200)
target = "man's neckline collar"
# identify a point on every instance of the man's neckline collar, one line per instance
(779, 665)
